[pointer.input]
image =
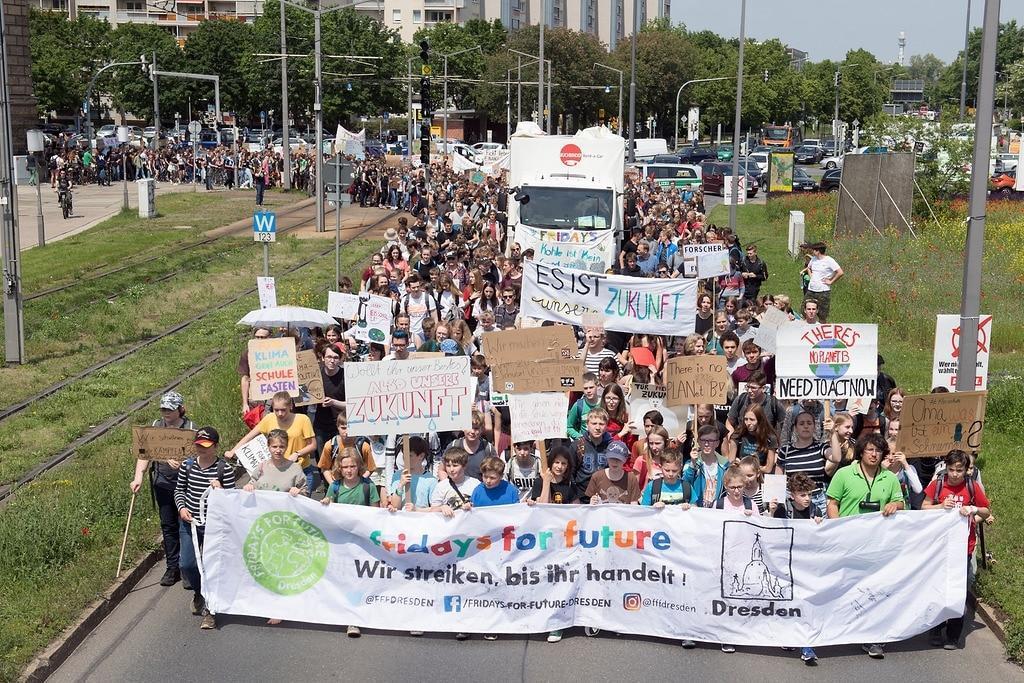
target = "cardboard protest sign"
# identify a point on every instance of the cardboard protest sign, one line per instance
(538, 416)
(645, 397)
(826, 361)
(251, 454)
(373, 318)
(268, 292)
(524, 377)
(409, 396)
(771, 320)
(774, 488)
(162, 443)
(311, 382)
(272, 368)
(712, 259)
(554, 342)
(342, 306)
(591, 250)
(627, 304)
(934, 424)
(691, 380)
(947, 351)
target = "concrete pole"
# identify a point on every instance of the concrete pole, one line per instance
(156, 107)
(550, 108)
(519, 90)
(286, 152)
(970, 305)
(319, 111)
(10, 236)
(632, 90)
(963, 73)
(337, 220)
(540, 67)
(444, 103)
(737, 118)
(619, 119)
(409, 122)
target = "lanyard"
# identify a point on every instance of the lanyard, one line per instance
(871, 484)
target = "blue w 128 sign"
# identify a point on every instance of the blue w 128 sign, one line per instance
(264, 226)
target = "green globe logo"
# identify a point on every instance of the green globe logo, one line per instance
(284, 553)
(830, 359)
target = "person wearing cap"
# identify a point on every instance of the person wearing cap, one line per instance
(613, 484)
(823, 271)
(206, 470)
(163, 477)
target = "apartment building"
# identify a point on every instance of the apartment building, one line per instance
(179, 17)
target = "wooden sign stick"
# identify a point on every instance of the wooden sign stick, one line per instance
(543, 450)
(406, 451)
(124, 541)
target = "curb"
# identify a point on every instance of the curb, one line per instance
(987, 614)
(43, 665)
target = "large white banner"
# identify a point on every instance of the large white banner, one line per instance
(699, 574)
(947, 351)
(592, 250)
(624, 304)
(826, 361)
(409, 396)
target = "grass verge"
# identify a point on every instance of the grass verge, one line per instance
(60, 536)
(902, 283)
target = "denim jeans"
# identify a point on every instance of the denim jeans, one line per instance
(187, 562)
(169, 522)
(312, 477)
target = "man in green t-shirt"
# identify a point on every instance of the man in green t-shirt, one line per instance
(864, 486)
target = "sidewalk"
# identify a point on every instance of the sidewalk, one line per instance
(92, 205)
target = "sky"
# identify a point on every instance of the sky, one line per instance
(826, 29)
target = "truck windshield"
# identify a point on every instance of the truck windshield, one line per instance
(776, 133)
(567, 208)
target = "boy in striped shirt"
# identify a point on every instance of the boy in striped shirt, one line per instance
(206, 470)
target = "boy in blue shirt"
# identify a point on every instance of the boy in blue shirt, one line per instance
(670, 489)
(412, 482)
(496, 490)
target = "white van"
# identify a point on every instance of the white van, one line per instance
(647, 148)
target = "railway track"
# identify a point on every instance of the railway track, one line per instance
(16, 408)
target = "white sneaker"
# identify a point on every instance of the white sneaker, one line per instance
(555, 637)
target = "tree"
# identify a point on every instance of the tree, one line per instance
(929, 69)
(217, 47)
(65, 55)
(132, 91)
(447, 38)
(1009, 47)
(864, 86)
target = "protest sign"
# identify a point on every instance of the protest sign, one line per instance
(162, 443)
(521, 569)
(252, 453)
(554, 342)
(272, 368)
(712, 259)
(764, 335)
(342, 306)
(409, 396)
(311, 382)
(524, 377)
(538, 416)
(934, 424)
(826, 361)
(590, 250)
(774, 488)
(373, 318)
(692, 380)
(628, 304)
(947, 351)
(646, 397)
(268, 292)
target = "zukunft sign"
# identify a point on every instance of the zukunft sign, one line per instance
(408, 396)
(625, 304)
(591, 250)
(668, 573)
(826, 361)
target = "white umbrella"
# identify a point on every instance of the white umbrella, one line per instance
(287, 316)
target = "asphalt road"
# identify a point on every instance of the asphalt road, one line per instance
(152, 636)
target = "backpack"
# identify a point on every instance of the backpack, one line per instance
(336, 447)
(815, 511)
(365, 484)
(940, 482)
(656, 486)
(748, 502)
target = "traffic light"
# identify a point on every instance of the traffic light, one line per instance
(766, 75)
(838, 79)
(147, 68)
(425, 51)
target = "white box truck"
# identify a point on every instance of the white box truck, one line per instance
(566, 196)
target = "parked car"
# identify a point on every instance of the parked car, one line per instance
(832, 161)
(803, 182)
(761, 159)
(694, 155)
(1005, 162)
(106, 131)
(1003, 183)
(670, 176)
(714, 174)
(808, 154)
(830, 181)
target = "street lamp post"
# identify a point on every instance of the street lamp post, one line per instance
(970, 305)
(620, 72)
(35, 148)
(680, 92)
(736, 119)
(444, 124)
(123, 138)
(963, 73)
(286, 151)
(540, 65)
(632, 85)
(540, 100)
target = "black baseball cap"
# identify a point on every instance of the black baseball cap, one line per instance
(206, 437)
